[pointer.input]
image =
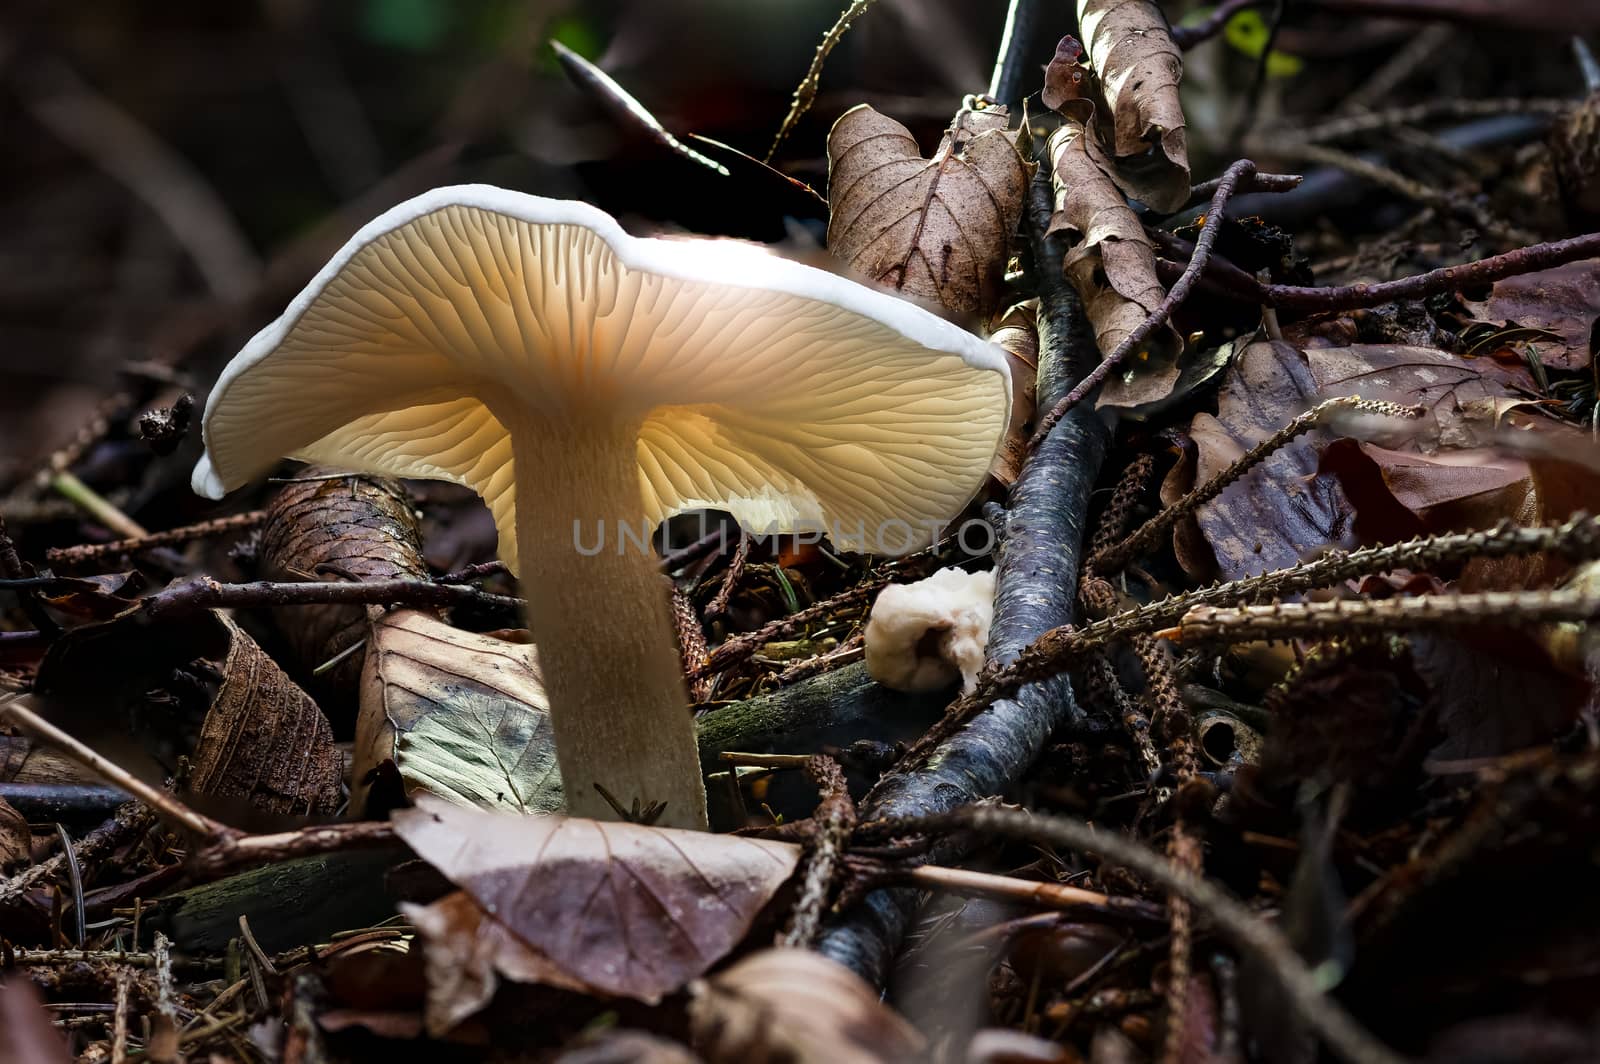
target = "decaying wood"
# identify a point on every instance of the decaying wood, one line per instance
(347, 529)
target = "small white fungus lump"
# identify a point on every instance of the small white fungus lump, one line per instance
(923, 636)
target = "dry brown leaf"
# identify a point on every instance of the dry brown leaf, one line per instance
(467, 954)
(1139, 69)
(628, 910)
(795, 1005)
(462, 715)
(1017, 333)
(1465, 400)
(1065, 76)
(1282, 510)
(1480, 453)
(16, 841)
(264, 739)
(1561, 307)
(936, 228)
(1112, 263)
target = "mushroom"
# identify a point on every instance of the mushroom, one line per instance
(588, 384)
(925, 635)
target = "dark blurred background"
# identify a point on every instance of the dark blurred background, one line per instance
(172, 173)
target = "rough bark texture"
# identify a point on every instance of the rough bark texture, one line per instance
(1036, 589)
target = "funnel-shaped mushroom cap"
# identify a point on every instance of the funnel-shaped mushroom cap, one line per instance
(793, 398)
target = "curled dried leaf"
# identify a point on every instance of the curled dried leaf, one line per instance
(1017, 333)
(462, 715)
(936, 228)
(1065, 77)
(467, 953)
(1139, 68)
(1112, 263)
(264, 739)
(791, 1004)
(625, 909)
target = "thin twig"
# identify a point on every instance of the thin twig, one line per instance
(832, 823)
(1578, 539)
(1306, 992)
(718, 605)
(621, 105)
(166, 989)
(119, 1027)
(472, 572)
(1259, 182)
(1114, 558)
(1236, 175)
(1184, 851)
(187, 597)
(203, 593)
(1186, 37)
(1378, 174)
(157, 799)
(234, 853)
(91, 502)
(1028, 891)
(84, 552)
(851, 650)
(1449, 278)
(1431, 110)
(806, 91)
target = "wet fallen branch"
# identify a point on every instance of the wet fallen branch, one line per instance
(1036, 590)
(1529, 259)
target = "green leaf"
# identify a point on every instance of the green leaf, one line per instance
(1247, 32)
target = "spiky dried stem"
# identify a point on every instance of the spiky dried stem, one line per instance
(85, 552)
(691, 643)
(718, 605)
(832, 823)
(806, 91)
(1055, 650)
(1183, 849)
(1112, 559)
(1293, 620)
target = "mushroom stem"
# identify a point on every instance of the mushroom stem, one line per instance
(600, 618)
